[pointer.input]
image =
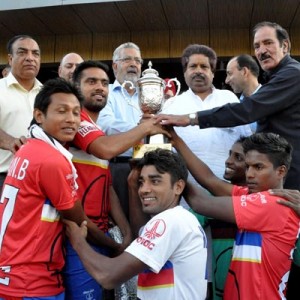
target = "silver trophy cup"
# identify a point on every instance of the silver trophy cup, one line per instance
(151, 100)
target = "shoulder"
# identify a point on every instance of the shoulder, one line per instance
(43, 154)
(176, 216)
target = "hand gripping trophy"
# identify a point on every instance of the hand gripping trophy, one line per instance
(151, 100)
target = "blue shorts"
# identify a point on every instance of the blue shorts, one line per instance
(78, 282)
(60, 296)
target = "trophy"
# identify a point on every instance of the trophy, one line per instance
(151, 100)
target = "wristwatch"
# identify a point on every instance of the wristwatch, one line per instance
(192, 118)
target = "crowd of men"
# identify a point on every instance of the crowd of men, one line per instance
(188, 230)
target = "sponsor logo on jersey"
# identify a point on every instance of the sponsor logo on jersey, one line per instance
(86, 127)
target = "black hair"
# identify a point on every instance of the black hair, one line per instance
(240, 140)
(10, 43)
(199, 49)
(166, 161)
(275, 147)
(247, 61)
(281, 33)
(54, 86)
(86, 65)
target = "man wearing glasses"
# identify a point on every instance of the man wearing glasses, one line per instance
(122, 112)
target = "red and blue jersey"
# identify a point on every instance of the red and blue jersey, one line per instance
(94, 178)
(39, 184)
(263, 247)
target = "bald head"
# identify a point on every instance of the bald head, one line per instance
(68, 64)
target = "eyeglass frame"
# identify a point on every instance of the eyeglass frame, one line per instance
(128, 59)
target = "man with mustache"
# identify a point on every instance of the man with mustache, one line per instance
(275, 106)
(17, 94)
(199, 65)
(122, 112)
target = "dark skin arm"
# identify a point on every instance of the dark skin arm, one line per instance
(136, 215)
(95, 235)
(107, 147)
(220, 208)
(119, 218)
(109, 272)
(10, 143)
(292, 198)
(200, 171)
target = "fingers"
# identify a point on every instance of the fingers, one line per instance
(290, 195)
(286, 203)
(17, 143)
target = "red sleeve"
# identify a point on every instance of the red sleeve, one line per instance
(88, 132)
(259, 212)
(57, 182)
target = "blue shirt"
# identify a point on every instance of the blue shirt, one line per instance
(121, 112)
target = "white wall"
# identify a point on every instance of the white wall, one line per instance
(17, 4)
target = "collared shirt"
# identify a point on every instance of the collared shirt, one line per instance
(210, 145)
(121, 112)
(16, 109)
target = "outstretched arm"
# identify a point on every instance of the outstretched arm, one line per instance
(109, 272)
(119, 217)
(95, 235)
(200, 171)
(292, 197)
(136, 215)
(107, 147)
(10, 143)
(216, 207)
(175, 120)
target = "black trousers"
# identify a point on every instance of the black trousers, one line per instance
(293, 290)
(120, 172)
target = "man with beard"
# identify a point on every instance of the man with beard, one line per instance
(90, 150)
(122, 111)
(17, 94)
(211, 145)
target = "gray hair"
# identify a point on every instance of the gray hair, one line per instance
(116, 54)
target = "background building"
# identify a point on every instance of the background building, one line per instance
(162, 28)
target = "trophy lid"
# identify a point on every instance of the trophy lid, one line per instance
(150, 75)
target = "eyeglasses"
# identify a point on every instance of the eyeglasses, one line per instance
(129, 59)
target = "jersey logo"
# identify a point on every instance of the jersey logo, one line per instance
(85, 128)
(155, 229)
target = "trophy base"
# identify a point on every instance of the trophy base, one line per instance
(140, 150)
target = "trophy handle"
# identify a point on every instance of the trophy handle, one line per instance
(177, 83)
(124, 84)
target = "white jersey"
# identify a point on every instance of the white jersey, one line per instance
(173, 245)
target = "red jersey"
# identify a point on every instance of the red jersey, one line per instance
(263, 246)
(94, 178)
(39, 183)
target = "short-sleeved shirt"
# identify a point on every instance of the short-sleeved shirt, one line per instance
(173, 245)
(39, 183)
(94, 178)
(16, 107)
(263, 247)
